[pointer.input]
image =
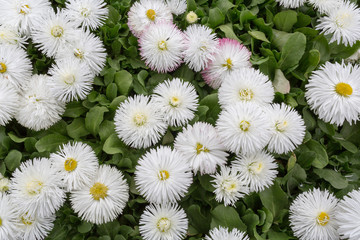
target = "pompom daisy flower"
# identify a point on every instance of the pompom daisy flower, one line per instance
(246, 85)
(224, 233)
(343, 22)
(333, 93)
(104, 198)
(9, 102)
(177, 7)
(325, 6)
(162, 175)
(231, 56)
(313, 216)
(36, 188)
(8, 216)
(38, 108)
(177, 100)
(162, 46)
(348, 216)
(191, 17)
(229, 186)
(70, 80)
(9, 35)
(163, 222)
(76, 163)
(139, 122)
(36, 228)
(291, 3)
(244, 127)
(257, 169)
(144, 12)
(201, 147)
(200, 46)
(87, 13)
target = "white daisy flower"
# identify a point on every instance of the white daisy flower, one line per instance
(53, 32)
(224, 233)
(312, 216)
(8, 216)
(104, 198)
(15, 66)
(244, 127)
(191, 17)
(231, 56)
(333, 93)
(291, 3)
(139, 122)
(4, 183)
(163, 222)
(257, 169)
(325, 6)
(23, 14)
(343, 22)
(9, 35)
(229, 186)
(177, 7)
(9, 102)
(178, 101)
(86, 48)
(76, 163)
(200, 46)
(246, 85)
(38, 108)
(162, 46)
(348, 216)
(35, 228)
(87, 13)
(70, 80)
(162, 175)
(287, 128)
(201, 147)
(144, 12)
(36, 188)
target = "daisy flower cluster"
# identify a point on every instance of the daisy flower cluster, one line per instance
(37, 189)
(64, 35)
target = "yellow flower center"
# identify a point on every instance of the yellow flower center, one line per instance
(280, 126)
(85, 12)
(3, 68)
(98, 190)
(26, 221)
(0, 222)
(140, 119)
(228, 64)
(163, 224)
(244, 125)
(246, 94)
(191, 17)
(343, 20)
(34, 187)
(69, 79)
(256, 167)
(323, 218)
(162, 45)
(229, 186)
(343, 89)
(78, 53)
(163, 175)
(174, 102)
(24, 9)
(151, 14)
(200, 148)
(57, 31)
(70, 164)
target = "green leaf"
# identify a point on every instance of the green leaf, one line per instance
(16, 138)
(226, 217)
(280, 83)
(285, 20)
(94, 118)
(123, 80)
(346, 144)
(84, 227)
(334, 178)
(106, 129)
(216, 17)
(77, 128)
(321, 159)
(224, 5)
(12, 160)
(111, 91)
(274, 199)
(200, 222)
(50, 142)
(74, 109)
(292, 51)
(259, 36)
(113, 145)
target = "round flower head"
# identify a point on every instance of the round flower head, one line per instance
(287, 128)
(15, 67)
(200, 46)
(257, 169)
(312, 216)
(163, 222)
(86, 48)
(244, 127)
(231, 56)
(36, 228)
(76, 163)
(9, 102)
(104, 198)
(191, 17)
(7, 218)
(139, 122)
(162, 175)
(36, 188)
(333, 93)
(201, 147)
(246, 85)
(223, 233)
(162, 46)
(178, 101)
(9, 35)
(23, 14)
(53, 32)
(348, 216)
(144, 12)
(38, 109)
(87, 13)
(291, 3)
(343, 22)
(229, 186)
(325, 6)
(177, 7)
(70, 80)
